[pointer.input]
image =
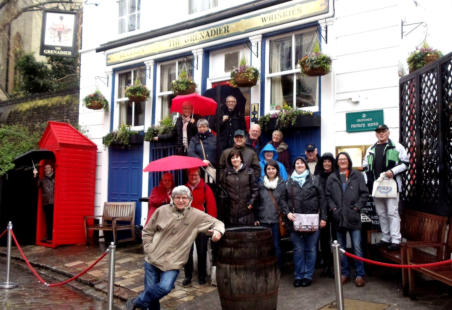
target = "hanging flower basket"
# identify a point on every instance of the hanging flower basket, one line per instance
(316, 63)
(96, 101)
(184, 85)
(137, 92)
(422, 56)
(244, 76)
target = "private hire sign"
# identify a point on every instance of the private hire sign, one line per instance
(364, 121)
(283, 15)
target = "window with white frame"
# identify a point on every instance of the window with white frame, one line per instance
(195, 6)
(167, 72)
(129, 15)
(130, 113)
(284, 80)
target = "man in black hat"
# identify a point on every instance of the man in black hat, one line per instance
(250, 158)
(312, 157)
(390, 158)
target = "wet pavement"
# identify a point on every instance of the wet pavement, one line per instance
(30, 294)
(383, 286)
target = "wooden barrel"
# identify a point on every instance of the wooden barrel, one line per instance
(247, 273)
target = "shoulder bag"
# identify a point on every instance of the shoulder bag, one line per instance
(282, 224)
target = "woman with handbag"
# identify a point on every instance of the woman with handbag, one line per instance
(272, 197)
(347, 193)
(306, 203)
(240, 183)
(204, 146)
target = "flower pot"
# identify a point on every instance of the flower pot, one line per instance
(95, 105)
(314, 71)
(306, 121)
(191, 89)
(241, 80)
(137, 98)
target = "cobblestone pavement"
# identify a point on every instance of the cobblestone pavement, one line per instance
(65, 261)
(30, 294)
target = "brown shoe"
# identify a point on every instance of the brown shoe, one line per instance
(344, 279)
(359, 282)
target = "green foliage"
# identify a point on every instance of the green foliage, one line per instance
(184, 84)
(422, 56)
(166, 126)
(59, 73)
(96, 98)
(315, 60)
(120, 137)
(15, 140)
(137, 90)
(244, 72)
(285, 118)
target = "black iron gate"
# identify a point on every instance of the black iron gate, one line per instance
(426, 131)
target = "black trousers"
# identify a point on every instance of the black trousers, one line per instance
(201, 249)
(48, 212)
(326, 237)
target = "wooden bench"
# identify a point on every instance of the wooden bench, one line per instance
(443, 251)
(117, 216)
(415, 227)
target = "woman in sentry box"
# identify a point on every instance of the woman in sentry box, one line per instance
(305, 197)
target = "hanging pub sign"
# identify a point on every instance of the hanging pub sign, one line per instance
(58, 35)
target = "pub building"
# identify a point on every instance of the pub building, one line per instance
(128, 40)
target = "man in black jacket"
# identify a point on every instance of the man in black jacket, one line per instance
(47, 185)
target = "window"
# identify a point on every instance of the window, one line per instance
(130, 113)
(231, 61)
(286, 84)
(167, 72)
(196, 6)
(129, 15)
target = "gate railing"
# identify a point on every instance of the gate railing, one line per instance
(426, 131)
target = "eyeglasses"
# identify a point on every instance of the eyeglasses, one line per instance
(181, 198)
(342, 159)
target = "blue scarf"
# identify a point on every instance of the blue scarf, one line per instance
(300, 178)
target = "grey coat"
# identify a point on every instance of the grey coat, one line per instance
(345, 205)
(266, 211)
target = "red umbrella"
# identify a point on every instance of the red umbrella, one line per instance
(201, 105)
(174, 162)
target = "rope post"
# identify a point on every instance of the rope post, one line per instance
(8, 284)
(111, 275)
(335, 247)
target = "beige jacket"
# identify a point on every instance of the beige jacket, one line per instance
(169, 235)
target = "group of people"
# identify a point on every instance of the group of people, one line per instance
(258, 185)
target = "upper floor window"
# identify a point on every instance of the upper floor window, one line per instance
(130, 113)
(167, 72)
(129, 15)
(195, 6)
(286, 84)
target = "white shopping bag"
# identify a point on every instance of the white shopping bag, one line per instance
(384, 187)
(306, 222)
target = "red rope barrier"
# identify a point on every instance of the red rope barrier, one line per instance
(4, 232)
(436, 264)
(59, 283)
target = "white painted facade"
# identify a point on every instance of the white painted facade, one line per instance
(363, 39)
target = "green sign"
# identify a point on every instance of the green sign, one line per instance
(364, 121)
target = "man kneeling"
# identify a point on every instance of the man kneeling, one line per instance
(167, 239)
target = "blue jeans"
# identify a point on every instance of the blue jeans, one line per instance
(304, 253)
(157, 284)
(355, 236)
(276, 239)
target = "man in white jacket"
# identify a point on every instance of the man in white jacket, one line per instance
(390, 158)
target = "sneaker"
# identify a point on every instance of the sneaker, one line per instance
(359, 282)
(383, 243)
(306, 282)
(297, 283)
(202, 281)
(186, 282)
(130, 304)
(393, 247)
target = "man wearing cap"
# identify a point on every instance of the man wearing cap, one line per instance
(390, 158)
(250, 158)
(312, 157)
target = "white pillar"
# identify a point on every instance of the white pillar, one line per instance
(255, 61)
(197, 68)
